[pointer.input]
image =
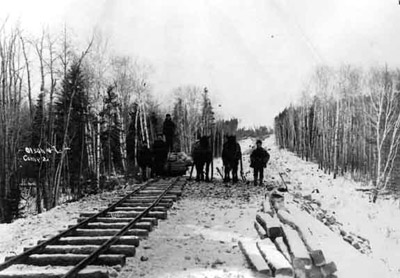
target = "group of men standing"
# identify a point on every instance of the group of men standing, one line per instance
(157, 156)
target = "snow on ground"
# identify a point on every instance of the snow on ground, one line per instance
(25, 232)
(379, 223)
(199, 238)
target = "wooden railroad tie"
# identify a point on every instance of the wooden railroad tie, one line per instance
(103, 238)
(281, 232)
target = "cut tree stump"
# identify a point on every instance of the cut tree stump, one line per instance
(253, 255)
(276, 261)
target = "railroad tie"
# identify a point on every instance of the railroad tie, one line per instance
(101, 240)
(253, 256)
(275, 260)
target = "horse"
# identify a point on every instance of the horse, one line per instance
(231, 155)
(202, 156)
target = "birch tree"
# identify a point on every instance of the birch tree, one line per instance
(383, 92)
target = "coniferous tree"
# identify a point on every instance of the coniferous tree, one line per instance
(110, 132)
(71, 111)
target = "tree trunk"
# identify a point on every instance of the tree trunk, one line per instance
(336, 140)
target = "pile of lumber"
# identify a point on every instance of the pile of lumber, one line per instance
(286, 247)
(328, 219)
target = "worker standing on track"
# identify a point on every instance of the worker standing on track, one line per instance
(160, 154)
(144, 159)
(169, 131)
(258, 161)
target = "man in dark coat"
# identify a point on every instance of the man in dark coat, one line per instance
(160, 154)
(258, 161)
(144, 159)
(169, 131)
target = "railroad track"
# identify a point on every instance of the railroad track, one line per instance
(98, 245)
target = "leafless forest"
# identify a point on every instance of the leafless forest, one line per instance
(73, 116)
(347, 120)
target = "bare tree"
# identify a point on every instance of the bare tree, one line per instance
(11, 76)
(383, 91)
(188, 114)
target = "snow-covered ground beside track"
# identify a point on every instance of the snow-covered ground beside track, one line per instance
(199, 238)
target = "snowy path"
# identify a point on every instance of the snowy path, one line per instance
(199, 238)
(379, 223)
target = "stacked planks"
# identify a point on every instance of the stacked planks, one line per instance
(286, 247)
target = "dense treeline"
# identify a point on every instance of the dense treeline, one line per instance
(72, 118)
(258, 132)
(194, 116)
(347, 120)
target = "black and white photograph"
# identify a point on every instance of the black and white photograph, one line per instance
(199, 138)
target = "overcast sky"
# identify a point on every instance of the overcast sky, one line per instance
(253, 55)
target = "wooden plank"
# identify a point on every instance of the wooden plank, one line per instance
(80, 240)
(149, 199)
(127, 250)
(251, 252)
(353, 264)
(276, 261)
(308, 239)
(314, 272)
(260, 230)
(73, 259)
(328, 269)
(160, 191)
(109, 232)
(127, 214)
(23, 271)
(152, 220)
(118, 225)
(140, 208)
(266, 206)
(155, 195)
(271, 225)
(297, 250)
(282, 247)
(145, 204)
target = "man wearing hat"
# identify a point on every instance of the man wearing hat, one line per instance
(258, 161)
(169, 131)
(144, 159)
(160, 154)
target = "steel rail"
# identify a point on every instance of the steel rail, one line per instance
(36, 249)
(104, 247)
